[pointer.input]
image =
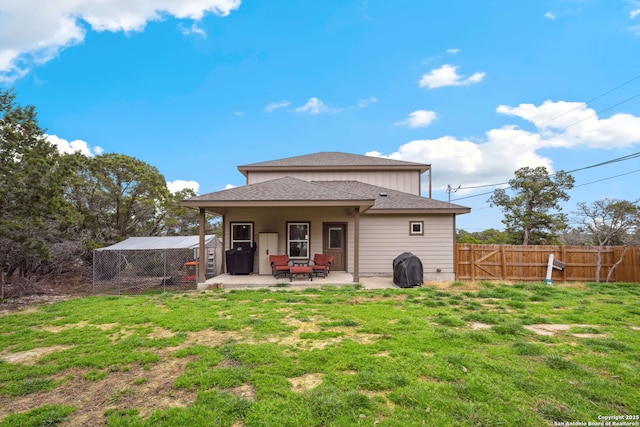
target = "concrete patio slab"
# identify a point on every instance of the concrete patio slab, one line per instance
(256, 281)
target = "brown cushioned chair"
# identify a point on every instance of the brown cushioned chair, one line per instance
(280, 264)
(321, 264)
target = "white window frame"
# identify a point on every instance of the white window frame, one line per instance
(303, 241)
(413, 232)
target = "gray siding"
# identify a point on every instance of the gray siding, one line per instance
(384, 237)
(406, 181)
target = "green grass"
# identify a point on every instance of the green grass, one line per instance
(330, 356)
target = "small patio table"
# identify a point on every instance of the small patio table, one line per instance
(300, 267)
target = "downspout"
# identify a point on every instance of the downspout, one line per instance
(201, 251)
(455, 249)
(356, 247)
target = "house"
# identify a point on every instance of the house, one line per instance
(364, 210)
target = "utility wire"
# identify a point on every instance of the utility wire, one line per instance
(616, 160)
(575, 186)
(619, 159)
(601, 111)
(592, 99)
(604, 179)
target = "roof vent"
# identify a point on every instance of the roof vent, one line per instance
(383, 194)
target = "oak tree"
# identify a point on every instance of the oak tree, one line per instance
(533, 214)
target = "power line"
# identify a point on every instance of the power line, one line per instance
(616, 160)
(605, 179)
(575, 186)
(602, 111)
(591, 100)
(628, 157)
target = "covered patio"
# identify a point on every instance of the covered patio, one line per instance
(257, 281)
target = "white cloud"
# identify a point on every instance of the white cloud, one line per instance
(33, 32)
(363, 103)
(229, 186)
(193, 29)
(75, 146)
(550, 15)
(180, 184)
(453, 51)
(501, 151)
(276, 105)
(447, 75)
(238, 113)
(634, 13)
(313, 106)
(419, 118)
(570, 124)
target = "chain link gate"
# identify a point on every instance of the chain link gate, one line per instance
(144, 271)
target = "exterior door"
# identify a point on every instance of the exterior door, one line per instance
(335, 243)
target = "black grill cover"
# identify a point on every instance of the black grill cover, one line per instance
(407, 270)
(240, 260)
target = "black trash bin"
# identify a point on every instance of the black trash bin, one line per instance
(240, 259)
(407, 270)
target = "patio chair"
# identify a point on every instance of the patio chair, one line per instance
(321, 264)
(280, 264)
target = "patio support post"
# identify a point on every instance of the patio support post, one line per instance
(223, 264)
(356, 246)
(201, 249)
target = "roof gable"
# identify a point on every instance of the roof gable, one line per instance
(333, 161)
(289, 191)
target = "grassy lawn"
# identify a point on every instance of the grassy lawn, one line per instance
(458, 354)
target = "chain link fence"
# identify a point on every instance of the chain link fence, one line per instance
(145, 271)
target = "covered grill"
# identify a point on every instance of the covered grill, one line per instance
(407, 270)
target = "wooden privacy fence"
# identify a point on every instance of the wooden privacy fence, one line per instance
(529, 263)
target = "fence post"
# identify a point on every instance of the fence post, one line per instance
(93, 281)
(119, 269)
(164, 270)
(472, 262)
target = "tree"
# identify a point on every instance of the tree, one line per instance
(527, 215)
(118, 196)
(32, 178)
(609, 222)
(179, 221)
(490, 236)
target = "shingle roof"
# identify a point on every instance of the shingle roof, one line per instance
(281, 189)
(388, 199)
(325, 193)
(334, 160)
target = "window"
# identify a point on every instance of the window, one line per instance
(416, 228)
(298, 239)
(241, 234)
(335, 238)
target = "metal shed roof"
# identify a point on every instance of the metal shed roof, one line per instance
(165, 242)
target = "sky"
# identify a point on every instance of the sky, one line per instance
(476, 89)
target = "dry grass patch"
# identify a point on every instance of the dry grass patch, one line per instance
(245, 391)
(83, 324)
(31, 357)
(551, 330)
(305, 382)
(144, 389)
(478, 326)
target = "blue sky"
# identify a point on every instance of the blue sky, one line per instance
(477, 89)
